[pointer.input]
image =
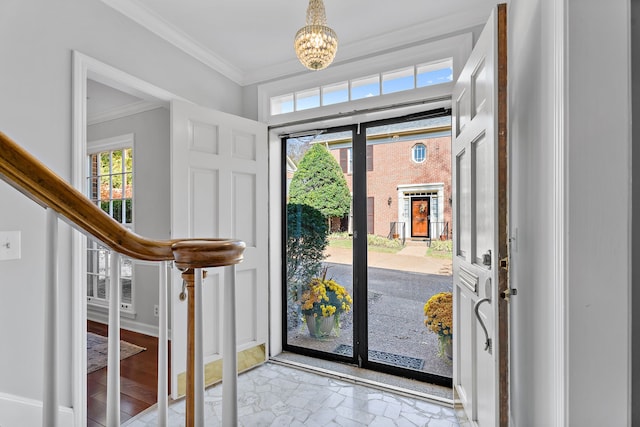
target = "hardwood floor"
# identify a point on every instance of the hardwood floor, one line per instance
(138, 379)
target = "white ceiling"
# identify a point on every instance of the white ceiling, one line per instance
(102, 98)
(251, 41)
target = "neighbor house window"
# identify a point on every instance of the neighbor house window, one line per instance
(419, 153)
(346, 160)
(110, 187)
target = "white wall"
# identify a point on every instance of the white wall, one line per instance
(530, 171)
(151, 199)
(597, 218)
(36, 40)
(599, 178)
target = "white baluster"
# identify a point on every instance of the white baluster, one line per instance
(113, 360)
(50, 398)
(229, 357)
(199, 352)
(163, 365)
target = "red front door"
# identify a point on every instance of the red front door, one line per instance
(420, 217)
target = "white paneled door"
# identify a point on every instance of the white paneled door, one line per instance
(480, 243)
(219, 189)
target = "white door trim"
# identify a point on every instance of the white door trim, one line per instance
(275, 244)
(559, 204)
(84, 67)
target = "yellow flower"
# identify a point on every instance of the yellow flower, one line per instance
(325, 298)
(439, 313)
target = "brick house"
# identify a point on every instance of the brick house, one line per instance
(408, 178)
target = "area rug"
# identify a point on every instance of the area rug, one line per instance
(97, 350)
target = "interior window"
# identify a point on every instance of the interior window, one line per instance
(110, 186)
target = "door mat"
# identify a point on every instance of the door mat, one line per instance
(384, 357)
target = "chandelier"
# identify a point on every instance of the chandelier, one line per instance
(315, 43)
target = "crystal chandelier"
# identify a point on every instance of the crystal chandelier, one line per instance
(315, 43)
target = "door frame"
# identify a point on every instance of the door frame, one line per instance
(360, 342)
(85, 67)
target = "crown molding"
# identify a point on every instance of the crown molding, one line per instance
(123, 111)
(393, 40)
(133, 10)
(383, 43)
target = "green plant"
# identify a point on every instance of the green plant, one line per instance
(319, 182)
(325, 298)
(382, 242)
(438, 311)
(306, 242)
(374, 243)
(441, 246)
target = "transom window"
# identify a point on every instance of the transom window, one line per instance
(403, 79)
(110, 187)
(419, 153)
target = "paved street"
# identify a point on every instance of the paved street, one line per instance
(396, 297)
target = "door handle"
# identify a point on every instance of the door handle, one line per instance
(487, 343)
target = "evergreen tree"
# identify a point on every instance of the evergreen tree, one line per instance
(320, 184)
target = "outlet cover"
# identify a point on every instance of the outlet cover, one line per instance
(9, 245)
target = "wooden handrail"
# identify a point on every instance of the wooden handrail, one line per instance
(28, 175)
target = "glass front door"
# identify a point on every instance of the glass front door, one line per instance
(319, 242)
(368, 243)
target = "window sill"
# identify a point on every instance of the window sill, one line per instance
(102, 308)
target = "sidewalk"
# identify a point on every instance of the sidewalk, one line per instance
(410, 258)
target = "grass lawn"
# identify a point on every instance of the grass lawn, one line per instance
(440, 249)
(374, 243)
(438, 254)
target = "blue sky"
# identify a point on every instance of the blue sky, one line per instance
(341, 93)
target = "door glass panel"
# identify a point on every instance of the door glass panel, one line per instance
(319, 273)
(409, 243)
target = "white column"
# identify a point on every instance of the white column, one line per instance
(198, 359)
(113, 360)
(50, 390)
(229, 356)
(163, 364)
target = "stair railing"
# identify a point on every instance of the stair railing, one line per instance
(28, 175)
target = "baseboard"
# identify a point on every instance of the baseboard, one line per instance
(128, 324)
(247, 359)
(16, 411)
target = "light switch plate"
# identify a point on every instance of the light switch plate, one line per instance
(9, 245)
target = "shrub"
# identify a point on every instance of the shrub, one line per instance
(383, 242)
(319, 182)
(442, 245)
(306, 242)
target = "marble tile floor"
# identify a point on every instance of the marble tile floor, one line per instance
(279, 395)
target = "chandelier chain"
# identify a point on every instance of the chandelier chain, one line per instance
(316, 14)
